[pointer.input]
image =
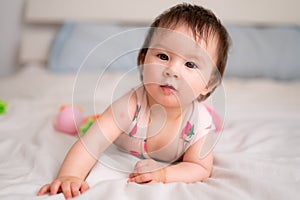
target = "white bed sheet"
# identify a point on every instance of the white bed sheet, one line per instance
(257, 157)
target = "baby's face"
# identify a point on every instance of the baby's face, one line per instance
(177, 67)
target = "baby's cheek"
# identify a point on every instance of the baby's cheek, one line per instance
(187, 94)
(149, 75)
(201, 84)
(192, 87)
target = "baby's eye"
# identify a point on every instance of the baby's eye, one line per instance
(162, 56)
(191, 65)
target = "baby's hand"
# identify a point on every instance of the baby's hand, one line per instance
(147, 171)
(70, 186)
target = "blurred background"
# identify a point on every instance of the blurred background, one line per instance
(14, 20)
(11, 13)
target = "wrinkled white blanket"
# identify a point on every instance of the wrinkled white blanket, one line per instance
(257, 156)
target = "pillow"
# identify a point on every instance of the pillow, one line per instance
(96, 47)
(271, 52)
(256, 51)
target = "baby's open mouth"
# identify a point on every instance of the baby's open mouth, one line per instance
(168, 88)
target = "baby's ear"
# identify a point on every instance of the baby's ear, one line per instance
(206, 90)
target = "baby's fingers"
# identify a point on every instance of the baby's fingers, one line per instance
(84, 187)
(75, 189)
(54, 187)
(66, 189)
(134, 174)
(143, 178)
(44, 189)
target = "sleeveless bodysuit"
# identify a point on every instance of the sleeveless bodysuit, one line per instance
(196, 123)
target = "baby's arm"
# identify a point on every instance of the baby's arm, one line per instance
(70, 179)
(191, 169)
(84, 153)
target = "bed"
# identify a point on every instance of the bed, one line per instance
(256, 156)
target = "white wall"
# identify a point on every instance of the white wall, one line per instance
(10, 31)
(233, 11)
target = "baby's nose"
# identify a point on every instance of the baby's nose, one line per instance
(169, 72)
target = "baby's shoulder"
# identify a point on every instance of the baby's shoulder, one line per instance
(125, 104)
(202, 115)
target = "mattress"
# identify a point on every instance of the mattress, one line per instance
(256, 157)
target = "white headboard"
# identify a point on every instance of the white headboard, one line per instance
(42, 18)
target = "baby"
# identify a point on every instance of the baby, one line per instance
(181, 63)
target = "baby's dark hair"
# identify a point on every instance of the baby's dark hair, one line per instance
(204, 24)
